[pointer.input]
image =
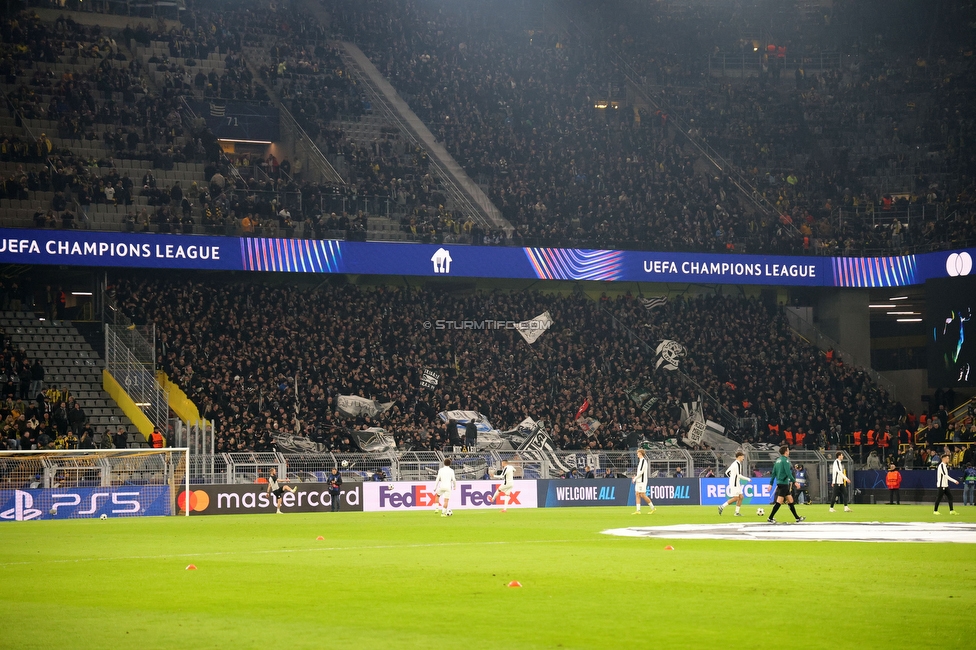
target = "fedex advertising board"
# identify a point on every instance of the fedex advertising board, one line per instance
(467, 495)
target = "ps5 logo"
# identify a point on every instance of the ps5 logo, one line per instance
(74, 499)
(959, 264)
(442, 261)
(23, 509)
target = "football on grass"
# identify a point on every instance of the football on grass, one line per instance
(103, 516)
(760, 512)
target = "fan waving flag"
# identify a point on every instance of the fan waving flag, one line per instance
(351, 406)
(429, 378)
(583, 409)
(654, 303)
(669, 353)
(589, 425)
(531, 330)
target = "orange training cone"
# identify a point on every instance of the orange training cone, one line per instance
(514, 583)
(668, 548)
(191, 567)
(319, 538)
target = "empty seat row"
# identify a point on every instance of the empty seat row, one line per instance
(49, 346)
(50, 339)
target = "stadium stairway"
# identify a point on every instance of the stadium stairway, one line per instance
(69, 361)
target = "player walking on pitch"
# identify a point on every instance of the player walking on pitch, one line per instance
(507, 475)
(276, 488)
(838, 478)
(640, 482)
(783, 475)
(942, 479)
(736, 477)
(443, 487)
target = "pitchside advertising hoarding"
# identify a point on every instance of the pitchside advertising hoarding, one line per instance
(79, 503)
(467, 495)
(570, 493)
(714, 491)
(254, 498)
(131, 250)
(617, 492)
(399, 496)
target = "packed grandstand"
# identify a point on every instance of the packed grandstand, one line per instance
(676, 127)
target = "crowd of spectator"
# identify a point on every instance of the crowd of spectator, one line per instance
(249, 344)
(885, 115)
(517, 108)
(33, 415)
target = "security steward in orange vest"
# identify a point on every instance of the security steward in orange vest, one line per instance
(156, 440)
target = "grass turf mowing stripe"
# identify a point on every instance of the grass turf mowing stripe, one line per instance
(413, 580)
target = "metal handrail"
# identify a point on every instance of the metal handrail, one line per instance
(457, 193)
(26, 127)
(189, 117)
(738, 179)
(877, 377)
(315, 155)
(952, 416)
(84, 213)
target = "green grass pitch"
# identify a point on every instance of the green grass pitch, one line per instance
(416, 580)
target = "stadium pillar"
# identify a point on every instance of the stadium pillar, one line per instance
(843, 315)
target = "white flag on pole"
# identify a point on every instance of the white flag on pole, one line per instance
(531, 330)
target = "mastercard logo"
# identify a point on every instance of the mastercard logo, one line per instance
(959, 264)
(199, 500)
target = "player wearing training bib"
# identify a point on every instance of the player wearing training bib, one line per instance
(640, 482)
(443, 487)
(736, 478)
(507, 475)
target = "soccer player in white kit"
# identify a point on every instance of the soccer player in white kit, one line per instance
(443, 487)
(507, 475)
(640, 482)
(734, 472)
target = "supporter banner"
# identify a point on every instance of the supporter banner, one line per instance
(90, 248)
(253, 498)
(352, 406)
(75, 503)
(429, 379)
(374, 440)
(462, 417)
(758, 492)
(468, 495)
(591, 492)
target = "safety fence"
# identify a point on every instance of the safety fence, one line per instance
(248, 467)
(81, 483)
(131, 361)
